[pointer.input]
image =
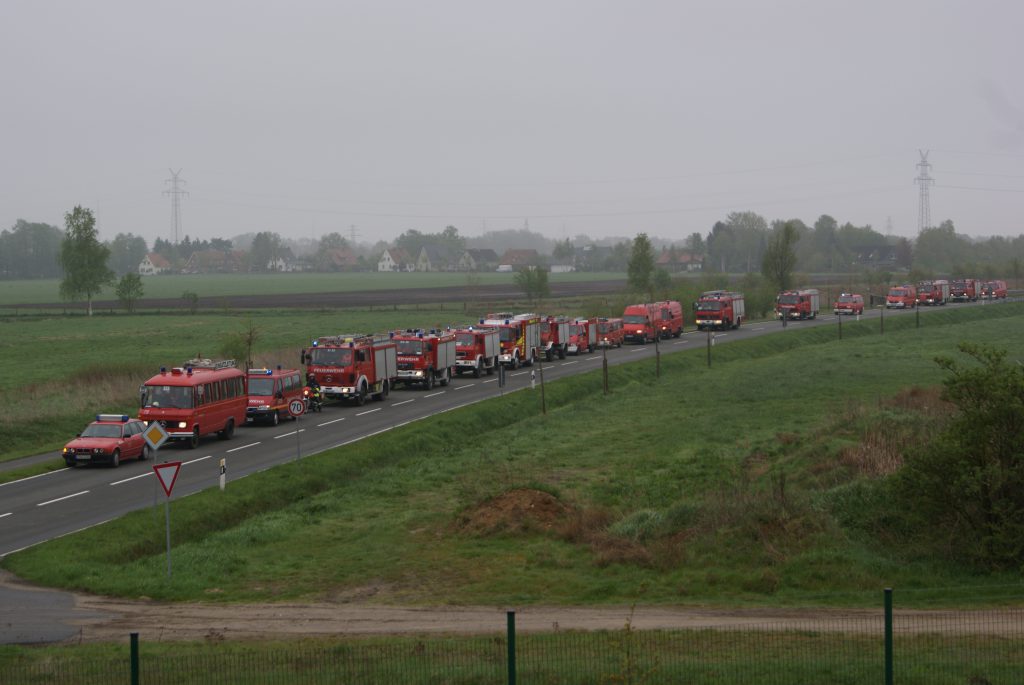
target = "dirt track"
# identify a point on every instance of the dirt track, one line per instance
(364, 298)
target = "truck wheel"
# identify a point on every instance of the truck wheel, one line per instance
(446, 378)
(193, 442)
(515, 362)
(492, 367)
(476, 369)
(385, 389)
(361, 395)
(115, 459)
(548, 356)
(561, 353)
(229, 429)
(428, 382)
(274, 418)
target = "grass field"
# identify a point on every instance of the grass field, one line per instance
(209, 286)
(730, 484)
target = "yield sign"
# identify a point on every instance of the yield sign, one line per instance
(167, 473)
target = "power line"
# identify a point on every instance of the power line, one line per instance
(924, 180)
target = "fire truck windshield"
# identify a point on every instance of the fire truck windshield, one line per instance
(101, 431)
(709, 306)
(508, 334)
(897, 292)
(338, 357)
(168, 397)
(262, 387)
(789, 299)
(634, 318)
(410, 347)
(464, 339)
(847, 298)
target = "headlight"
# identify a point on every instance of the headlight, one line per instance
(97, 450)
(182, 424)
(68, 449)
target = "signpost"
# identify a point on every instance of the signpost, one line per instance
(167, 473)
(155, 436)
(297, 408)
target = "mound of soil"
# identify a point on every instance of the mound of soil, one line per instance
(515, 511)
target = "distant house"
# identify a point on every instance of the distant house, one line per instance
(518, 260)
(562, 267)
(436, 258)
(215, 262)
(339, 259)
(674, 261)
(478, 260)
(395, 259)
(284, 261)
(153, 264)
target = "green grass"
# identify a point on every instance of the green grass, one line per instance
(211, 286)
(624, 656)
(737, 467)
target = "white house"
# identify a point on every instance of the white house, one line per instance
(395, 259)
(153, 264)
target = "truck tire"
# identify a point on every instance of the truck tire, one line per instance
(476, 369)
(361, 395)
(515, 362)
(548, 355)
(274, 419)
(193, 442)
(385, 390)
(428, 380)
(446, 378)
(561, 352)
(229, 429)
(492, 367)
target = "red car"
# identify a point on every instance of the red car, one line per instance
(108, 440)
(849, 304)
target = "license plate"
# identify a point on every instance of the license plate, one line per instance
(83, 457)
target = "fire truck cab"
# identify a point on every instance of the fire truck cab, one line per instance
(719, 309)
(425, 357)
(798, 304)
(965, 290)
(610, 332)
(476, 350)
(933, 293)
(582, 336)
(554, 337)
(901, 297)
(353, 367)
(519, 335)
(993, 290)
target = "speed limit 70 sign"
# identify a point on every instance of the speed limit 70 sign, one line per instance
(296, 407)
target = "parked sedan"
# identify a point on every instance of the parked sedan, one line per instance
(108, 440)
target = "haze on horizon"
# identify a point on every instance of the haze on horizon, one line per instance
(592, 117)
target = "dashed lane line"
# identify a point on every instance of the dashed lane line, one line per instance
(568, 363)
(463, 387)
(2, 516)
(368, 411)
(285, 435)
(60, 499)
(399, 404)
(125, 480)
(235, 449)
(327, 423)
(38, 475)
(493, 380)
(434, 394)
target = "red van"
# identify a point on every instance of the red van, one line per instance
(270, 391)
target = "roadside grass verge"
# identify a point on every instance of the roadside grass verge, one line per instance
(718, 485)
(811, 655)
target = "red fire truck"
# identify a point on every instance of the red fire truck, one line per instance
(849, 303)
(582, 336)
(425, 357)
(353, 366)
(554, 337)
(644, 322)
(901, 297)
(993, 290)
(933, 292)
(200, 397)
(610, 332)
(798, 304)
(270, 391)
(719, 309)
(519, 335)
(965, 290)
(476, 350)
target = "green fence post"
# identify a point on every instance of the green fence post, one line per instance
(888, 636)
(511, 648)
(135, 658)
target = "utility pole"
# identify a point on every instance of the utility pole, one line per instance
(353, 233)
(176, 192)
(924, 180)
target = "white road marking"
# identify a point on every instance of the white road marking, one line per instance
(368, 411)
(518, 374)
(285, 435)
(235, 449)
(399, 404)
(38, 475)
(462, 387)
(758, 329)
(208, 456)
(493, 380)
(680, 342)
(43, 504)
(325, 423)
(141, 475)
(594, 359)
(6, 515)
(567, 363)
(434, 394)
(639, 349)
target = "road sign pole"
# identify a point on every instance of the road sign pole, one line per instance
(167, 474)
(167, 518)
(297, 408)
(298, 443)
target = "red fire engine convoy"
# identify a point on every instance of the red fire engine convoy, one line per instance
(200, 397)
(610, 332)
(353, 366)
(719, 309)
(798, 304)
(965, 290)
(849, 303)
(901, 297)
(476, 350)
(554, 337)
(270, 392)
(933, 292)
(425, 357)
(519, 335)
(582, 336)
(993, 290)
(644, 322)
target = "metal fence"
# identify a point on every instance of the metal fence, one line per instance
(963, 647)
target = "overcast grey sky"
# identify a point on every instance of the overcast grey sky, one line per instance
(597, 117)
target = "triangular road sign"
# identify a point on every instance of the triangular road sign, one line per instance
(167, 473)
